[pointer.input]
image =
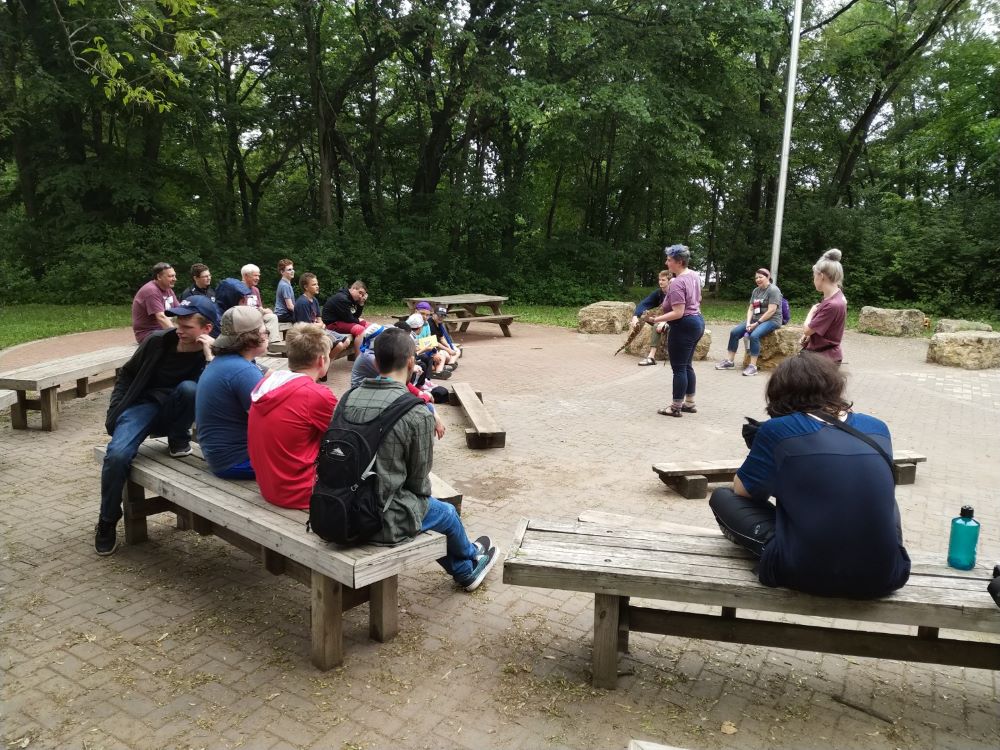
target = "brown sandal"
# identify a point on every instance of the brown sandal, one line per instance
(670, 411)
(646, 362)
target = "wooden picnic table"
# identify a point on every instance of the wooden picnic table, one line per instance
(466, 309)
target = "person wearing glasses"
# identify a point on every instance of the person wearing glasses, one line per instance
(681, 310)
(201, 279)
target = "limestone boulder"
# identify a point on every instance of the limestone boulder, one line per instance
(970, 350)
(776, 347)
(605, 317)
(948, 325)
(886, 322)
(640, 345)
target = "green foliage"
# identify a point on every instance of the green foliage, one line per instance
(22, 323)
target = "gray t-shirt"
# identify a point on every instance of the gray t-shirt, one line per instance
(285, 292)
(761, 298)
(364, 367)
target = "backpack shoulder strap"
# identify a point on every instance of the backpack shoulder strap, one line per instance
(832, 420)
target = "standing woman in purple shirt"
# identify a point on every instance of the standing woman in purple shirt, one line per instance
(682, 312)
(825, 322)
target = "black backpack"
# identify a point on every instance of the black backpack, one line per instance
(344, 507)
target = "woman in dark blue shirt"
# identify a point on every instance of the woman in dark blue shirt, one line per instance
(834, 529)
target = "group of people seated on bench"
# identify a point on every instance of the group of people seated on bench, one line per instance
(267, 425)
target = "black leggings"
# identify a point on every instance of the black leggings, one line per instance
(743, 520)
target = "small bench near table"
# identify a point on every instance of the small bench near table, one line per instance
(690, 479)
(617, 558)
(340, 577)
(47, 377)
(485, 432)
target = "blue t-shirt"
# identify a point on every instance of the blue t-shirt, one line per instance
(306, 310)
(837, 525)
(221, 407)
(284, 292)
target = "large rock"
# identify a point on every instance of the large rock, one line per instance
(886, 322)
(947, 325)
(776, 347)
(605, 317)
(640, 345)
(971, 350)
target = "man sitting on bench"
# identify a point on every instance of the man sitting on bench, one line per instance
(403, 465)
(151, 302)
(343, 310)
(836, 528)
(307, 311)
(154, 395)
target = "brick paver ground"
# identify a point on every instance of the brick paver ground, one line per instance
(186, 642)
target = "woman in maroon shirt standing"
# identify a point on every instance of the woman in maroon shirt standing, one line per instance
(824, 327)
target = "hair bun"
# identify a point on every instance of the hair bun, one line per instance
(832, 254)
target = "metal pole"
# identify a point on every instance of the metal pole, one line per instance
(786, 141)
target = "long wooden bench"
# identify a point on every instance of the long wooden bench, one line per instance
(485, 432)
(339, 577)
(7, 398)
(618, 558)
(463, 321)
(47, 377)
(690, 479)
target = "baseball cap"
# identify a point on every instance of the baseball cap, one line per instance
(237, 320)
(415, 321)
(441, 312)
(422, 305)
(198, 303)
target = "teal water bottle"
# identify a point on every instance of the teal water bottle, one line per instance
(964, 537)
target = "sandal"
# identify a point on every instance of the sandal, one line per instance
(689, 408)
(670, 411)
(646, 362)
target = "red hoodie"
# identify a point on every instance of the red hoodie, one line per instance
(289, 414)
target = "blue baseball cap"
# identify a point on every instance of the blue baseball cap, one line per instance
(198, 303)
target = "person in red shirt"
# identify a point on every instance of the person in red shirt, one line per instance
(289, 414)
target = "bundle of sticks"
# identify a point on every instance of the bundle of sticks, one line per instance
(646, 317)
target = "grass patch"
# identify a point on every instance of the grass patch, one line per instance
(30, 322)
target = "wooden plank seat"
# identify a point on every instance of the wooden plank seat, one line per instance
(619, 559)
(47, 377)
(690, 479)
(339, 577)
(280, 348)
(7, 398)
(462, 322)
(485, 432)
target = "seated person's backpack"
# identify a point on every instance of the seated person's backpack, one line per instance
(344, 507)
(786, 313)
(230, 293)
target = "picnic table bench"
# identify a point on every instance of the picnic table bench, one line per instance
(47, 377)
(339, 577)
(485, 432)
(618, 558)
(690, 479)
(465, 309)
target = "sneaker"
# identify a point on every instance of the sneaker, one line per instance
(483, 564)
(482, 545)
(726, 364)
(179, 450)
(443, 375)
(105, 537)
(750, 370)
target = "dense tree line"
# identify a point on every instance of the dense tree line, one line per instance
(543, 148)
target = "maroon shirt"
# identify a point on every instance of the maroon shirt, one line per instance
(254, 299)
(827, 324)
(149, 300)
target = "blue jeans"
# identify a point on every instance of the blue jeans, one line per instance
(242, 470)
(684, 336)
(460, 560)
(173, 418)
(755, 336)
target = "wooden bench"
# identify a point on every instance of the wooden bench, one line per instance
(485, 432)
(280, 348)
(690, 479)
(47, 377)
(7, 398)
(463, 321)
(339, 577)
(619, 558)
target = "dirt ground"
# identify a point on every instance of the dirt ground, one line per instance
(185, 642)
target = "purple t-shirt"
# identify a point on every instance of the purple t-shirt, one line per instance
(684, 289)
(827, 324)
(149, 300)
(254, 299)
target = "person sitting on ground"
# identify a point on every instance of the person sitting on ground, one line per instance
(403, 465)
(201, 279)
(824, 327)
(224, 393)
(654, 301)
(153, 395)
(251, 277)
(836, 528)
(763, 316)
(151, 302)
(307, 311)
(289, 414)
(284, 296)
(343, 310)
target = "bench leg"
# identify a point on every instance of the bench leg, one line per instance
(904, 473)
(623, 629)
(49, 403)
(692, 486)
(82, 384)
(136, 530)
(463, 328)
(327, 622)
(605, 656)
(506, 330)
(19, 412)
(383, 610)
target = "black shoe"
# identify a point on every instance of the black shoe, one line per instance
(105, 537)
(994, 587)
(482, 567)
(482, 545)
(179, 450)
(443, 375)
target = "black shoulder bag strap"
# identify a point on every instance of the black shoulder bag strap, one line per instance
(830, 419)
